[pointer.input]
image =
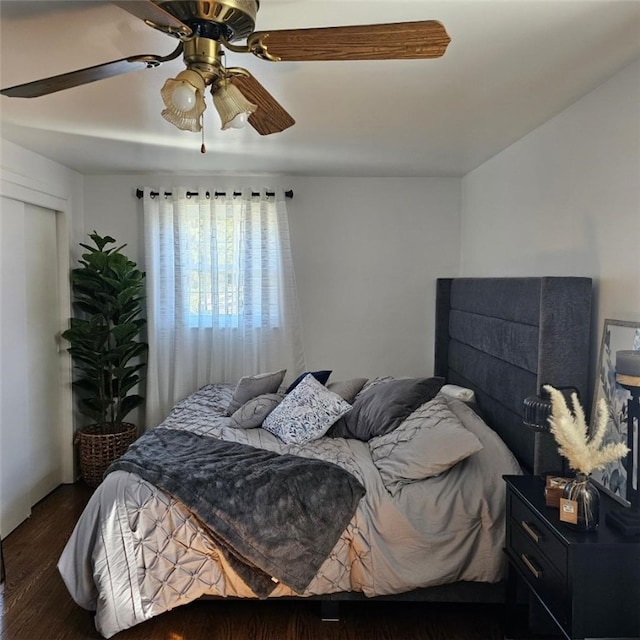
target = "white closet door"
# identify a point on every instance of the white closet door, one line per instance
(43, 368)
(30, 456)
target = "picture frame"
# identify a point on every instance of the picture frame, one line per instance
(617, 335)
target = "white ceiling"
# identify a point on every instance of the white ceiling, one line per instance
(511, 65)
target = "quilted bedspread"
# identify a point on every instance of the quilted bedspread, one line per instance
(273, 516)
(138, 551)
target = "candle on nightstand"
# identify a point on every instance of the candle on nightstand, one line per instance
(628, 368)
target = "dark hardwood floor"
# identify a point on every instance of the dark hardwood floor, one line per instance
(37, 606)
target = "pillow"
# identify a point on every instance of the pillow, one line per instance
(459, 393)
(347, 389)
(306, 413)
(249, 387)
(252, 414)
(372, 382)
(382, 407)
(429, 442)
(320, 376)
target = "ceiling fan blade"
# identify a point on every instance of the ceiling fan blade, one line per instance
(402, 40)
(53, 84)
(155, 17)
(270, 116)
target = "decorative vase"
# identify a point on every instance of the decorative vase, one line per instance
(585, 494)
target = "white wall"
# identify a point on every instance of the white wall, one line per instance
(366, 254)
(565, 200)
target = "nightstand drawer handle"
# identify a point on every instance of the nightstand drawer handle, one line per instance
(531, 530)
(537, 573)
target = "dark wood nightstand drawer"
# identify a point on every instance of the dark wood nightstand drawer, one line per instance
(587, 582)
(539, 571)
(534, 529)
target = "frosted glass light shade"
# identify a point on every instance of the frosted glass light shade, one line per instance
(183, 97)
(240, 121)
(232, 107)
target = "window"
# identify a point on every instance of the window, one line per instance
(221, 297)
(232, 266)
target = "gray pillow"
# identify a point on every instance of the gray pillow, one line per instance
(252, 414)
(372, 382)
(249, 387)
(382, 407)
(347, 389)
(427, 443)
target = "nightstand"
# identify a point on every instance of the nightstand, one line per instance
(589, 583)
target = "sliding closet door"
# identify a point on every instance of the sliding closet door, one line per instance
(30, 455)
(41, 350)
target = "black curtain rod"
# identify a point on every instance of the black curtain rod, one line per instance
(190, 194)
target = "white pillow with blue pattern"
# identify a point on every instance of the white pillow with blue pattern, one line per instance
(306, 413)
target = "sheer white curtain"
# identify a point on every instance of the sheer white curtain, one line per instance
(221, 295)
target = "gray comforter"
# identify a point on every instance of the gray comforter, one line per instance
(137, 551)
(233, 488)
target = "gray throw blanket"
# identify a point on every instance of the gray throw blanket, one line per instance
(271, 515)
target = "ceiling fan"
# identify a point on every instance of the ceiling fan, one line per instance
(206, 28)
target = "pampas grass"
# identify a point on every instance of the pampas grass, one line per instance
(571, 431)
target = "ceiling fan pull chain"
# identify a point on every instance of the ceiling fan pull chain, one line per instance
(203, 148)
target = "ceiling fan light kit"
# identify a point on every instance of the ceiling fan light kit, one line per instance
(206, 28)
(232, 107)
(183, 97)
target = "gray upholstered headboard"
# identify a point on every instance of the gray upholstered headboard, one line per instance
(504, 338)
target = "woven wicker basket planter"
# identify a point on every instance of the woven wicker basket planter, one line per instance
(97, 450)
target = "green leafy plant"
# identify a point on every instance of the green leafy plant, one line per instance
(106, 346)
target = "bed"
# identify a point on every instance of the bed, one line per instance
(406, 486)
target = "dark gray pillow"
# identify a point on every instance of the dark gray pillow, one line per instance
(381, 408)
(320, 376)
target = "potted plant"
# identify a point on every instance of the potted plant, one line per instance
(586, 450)
(107, 352)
